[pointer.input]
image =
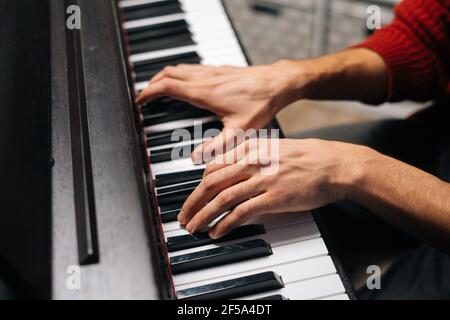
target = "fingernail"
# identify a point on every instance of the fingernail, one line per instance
(190, 229)
(213, 235)
(181, 217)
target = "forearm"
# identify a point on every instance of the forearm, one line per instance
(404, 196)
(355, 74)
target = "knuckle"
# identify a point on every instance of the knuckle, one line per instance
(240, 212)
(222, 227)
(168, 84)
(224, 198)
(210, 168)
(164, 84)
(209, 181)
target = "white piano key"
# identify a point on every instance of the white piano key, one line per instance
(235, 62)
(139, 86)
(179, 124)
(181, 165)
(308, 289)
(281, 255)
(161, 189)
(205, 50)
(270, 221)
(221, 46)
(174, 145)
(153, 20)
(336, 297)
(132, 3)
(300, 255)
(275, 237)
(162, 53)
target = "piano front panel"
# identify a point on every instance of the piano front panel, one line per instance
(275, 257)
(126, 267)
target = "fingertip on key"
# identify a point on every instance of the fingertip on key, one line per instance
(190, 228)
(213, 235)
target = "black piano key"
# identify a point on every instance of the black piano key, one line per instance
(157, 31)
(169, 154)
(149, 10)
(202, 239)
(152, 71)
(220, 256)
(146, 75)
(170, 211)
(162, 180)
(158, 109)
(147, 5)
(179, 187)
(234, 288)
(165, 105)
(150, 120)
(160, 63)
(162, 138)
(274, 297)
(173, 41)
(170, 216)
(177, 196)
(170, 206)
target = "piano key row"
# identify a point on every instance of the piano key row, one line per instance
(270, 259)
(185, 31)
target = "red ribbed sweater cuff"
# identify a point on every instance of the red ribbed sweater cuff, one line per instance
(415, 48)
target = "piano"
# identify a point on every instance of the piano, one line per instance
(95, 217)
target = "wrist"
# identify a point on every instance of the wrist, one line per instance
(354, 174)
(295, 81)
(354, 74)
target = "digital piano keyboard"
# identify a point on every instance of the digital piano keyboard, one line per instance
(105, 226)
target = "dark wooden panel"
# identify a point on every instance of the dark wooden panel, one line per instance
(126, 268)
(25, 220)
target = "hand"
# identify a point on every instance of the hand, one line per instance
(311, 174)
(242, 98)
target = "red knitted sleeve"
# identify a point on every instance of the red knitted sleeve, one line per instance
(416, 49)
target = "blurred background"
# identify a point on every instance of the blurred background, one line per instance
(296, 29)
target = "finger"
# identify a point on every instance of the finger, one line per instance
(168, 87)
(181, 72)
(197, 154)
(211, 186)
(158, 77)
(225, 201)
(235, 155)
(212, 70)
(244, 212)
(220, 148)
(206, 152)
(190, 72)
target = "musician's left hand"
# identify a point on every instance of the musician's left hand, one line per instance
(310, 174)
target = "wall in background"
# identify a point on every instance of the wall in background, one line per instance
(298, 29)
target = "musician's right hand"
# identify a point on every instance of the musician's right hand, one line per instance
(242, 98)
(250, 97)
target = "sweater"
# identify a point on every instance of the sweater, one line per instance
(416, 50)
